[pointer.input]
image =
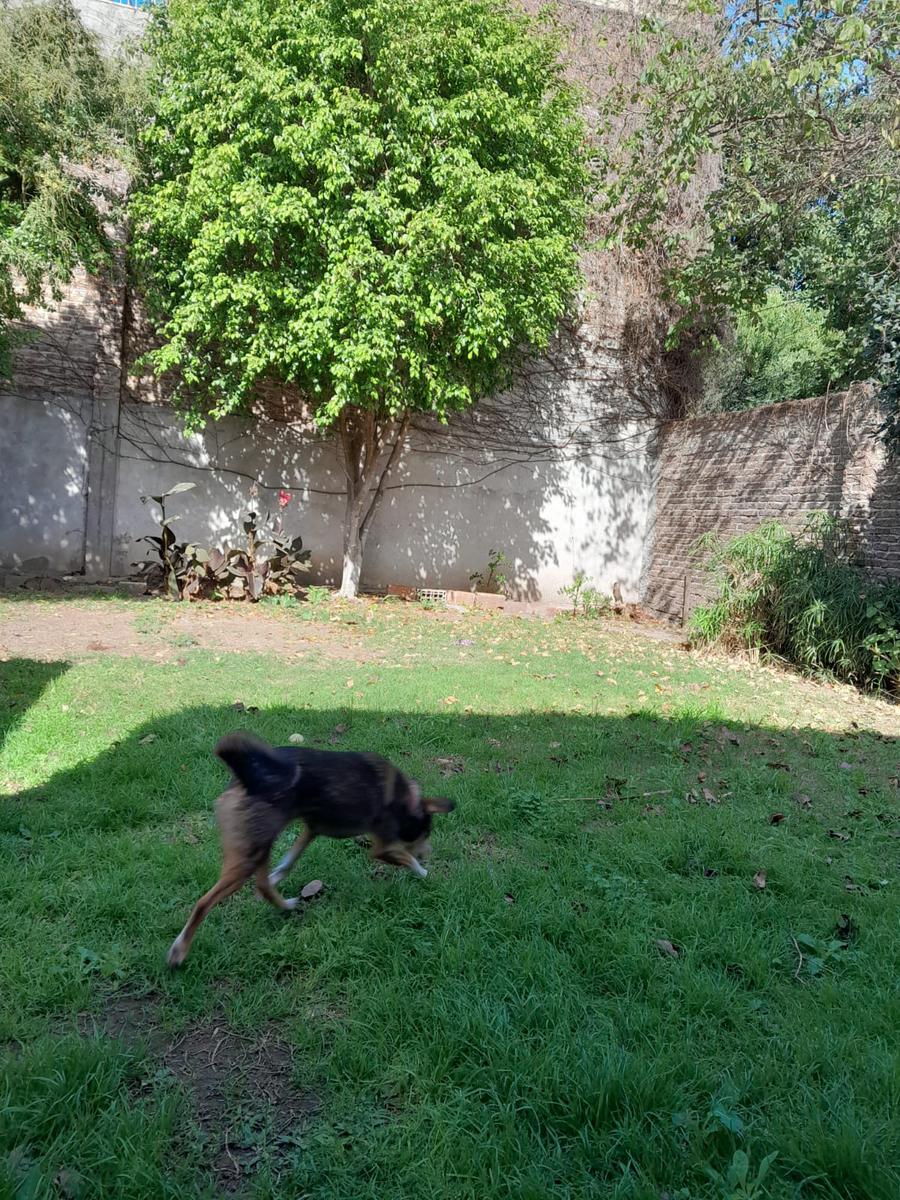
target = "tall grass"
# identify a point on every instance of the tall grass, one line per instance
(802, 596)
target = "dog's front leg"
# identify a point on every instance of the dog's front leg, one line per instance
(300, 844)
(398, 856)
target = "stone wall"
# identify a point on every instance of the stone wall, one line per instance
(730, 472)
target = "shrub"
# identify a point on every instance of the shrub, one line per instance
(268, 565)
(586, 600)
(801, 596)
(783, 350)
(493, 579)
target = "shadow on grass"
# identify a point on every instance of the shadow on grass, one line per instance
(22, 683)
(590, 991)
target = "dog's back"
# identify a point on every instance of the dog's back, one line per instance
(335, 793)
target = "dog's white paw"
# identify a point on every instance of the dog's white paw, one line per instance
(293, 903)
(177, 953)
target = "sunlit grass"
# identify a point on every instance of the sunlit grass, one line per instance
(514, 1026)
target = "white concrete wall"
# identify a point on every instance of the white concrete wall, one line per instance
(436, 525)
(45, 418)
(42, 486)
(116, 25)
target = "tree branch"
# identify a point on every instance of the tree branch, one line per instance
(392, 458)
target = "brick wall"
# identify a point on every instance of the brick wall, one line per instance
(730, 472)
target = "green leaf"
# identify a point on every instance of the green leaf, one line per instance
(727, 1119)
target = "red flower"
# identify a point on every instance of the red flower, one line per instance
(284, 499)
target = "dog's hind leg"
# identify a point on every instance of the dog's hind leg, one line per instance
(300, 844)
(235, 872)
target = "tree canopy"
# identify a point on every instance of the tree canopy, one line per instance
(63, 108)
(377, 202)
(800, 102)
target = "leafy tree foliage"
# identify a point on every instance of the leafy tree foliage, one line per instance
(378, 202)
(799, 102)
(63, 109)
(783, 349)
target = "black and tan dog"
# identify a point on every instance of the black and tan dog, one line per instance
(335, 794)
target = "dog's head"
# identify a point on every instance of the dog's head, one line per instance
(421, 810)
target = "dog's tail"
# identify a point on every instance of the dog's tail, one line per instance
(261, 768)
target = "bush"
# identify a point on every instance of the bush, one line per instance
(267, 565)
(802, 597)
(784, 350)
(586, 600)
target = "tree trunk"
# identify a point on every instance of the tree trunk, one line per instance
(363, 441)
(353, 548)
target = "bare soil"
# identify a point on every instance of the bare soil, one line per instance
(241, 1087)
(55, 630)
(69, 629)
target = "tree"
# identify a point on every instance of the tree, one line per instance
(378, 202)
(782, 350)
(799, 104)
(63, 109)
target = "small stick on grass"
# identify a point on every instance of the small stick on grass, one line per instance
(799, 957)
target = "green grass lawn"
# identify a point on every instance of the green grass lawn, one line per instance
(590, 995)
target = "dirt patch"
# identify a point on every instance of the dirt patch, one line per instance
(245, 1102)
(244, 1098)
(131, 1018)
(59, 630)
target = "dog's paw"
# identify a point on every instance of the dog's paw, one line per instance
(177, 954)
(292, 903)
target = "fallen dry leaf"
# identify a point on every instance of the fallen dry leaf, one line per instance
(451, 699)
(845, 766)
(776, 818)
(147, 739)
(839, 835)
(759, 880)
(296, 739)
(779, 766)
(709, 796)
(509, 898)
(664, 946)
(312, 889)
(653, 810)
(850, 886)
(803, 801)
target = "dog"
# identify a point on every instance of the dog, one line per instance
(334, 793)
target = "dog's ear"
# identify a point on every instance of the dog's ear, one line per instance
(437, 804)
(414, 798)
